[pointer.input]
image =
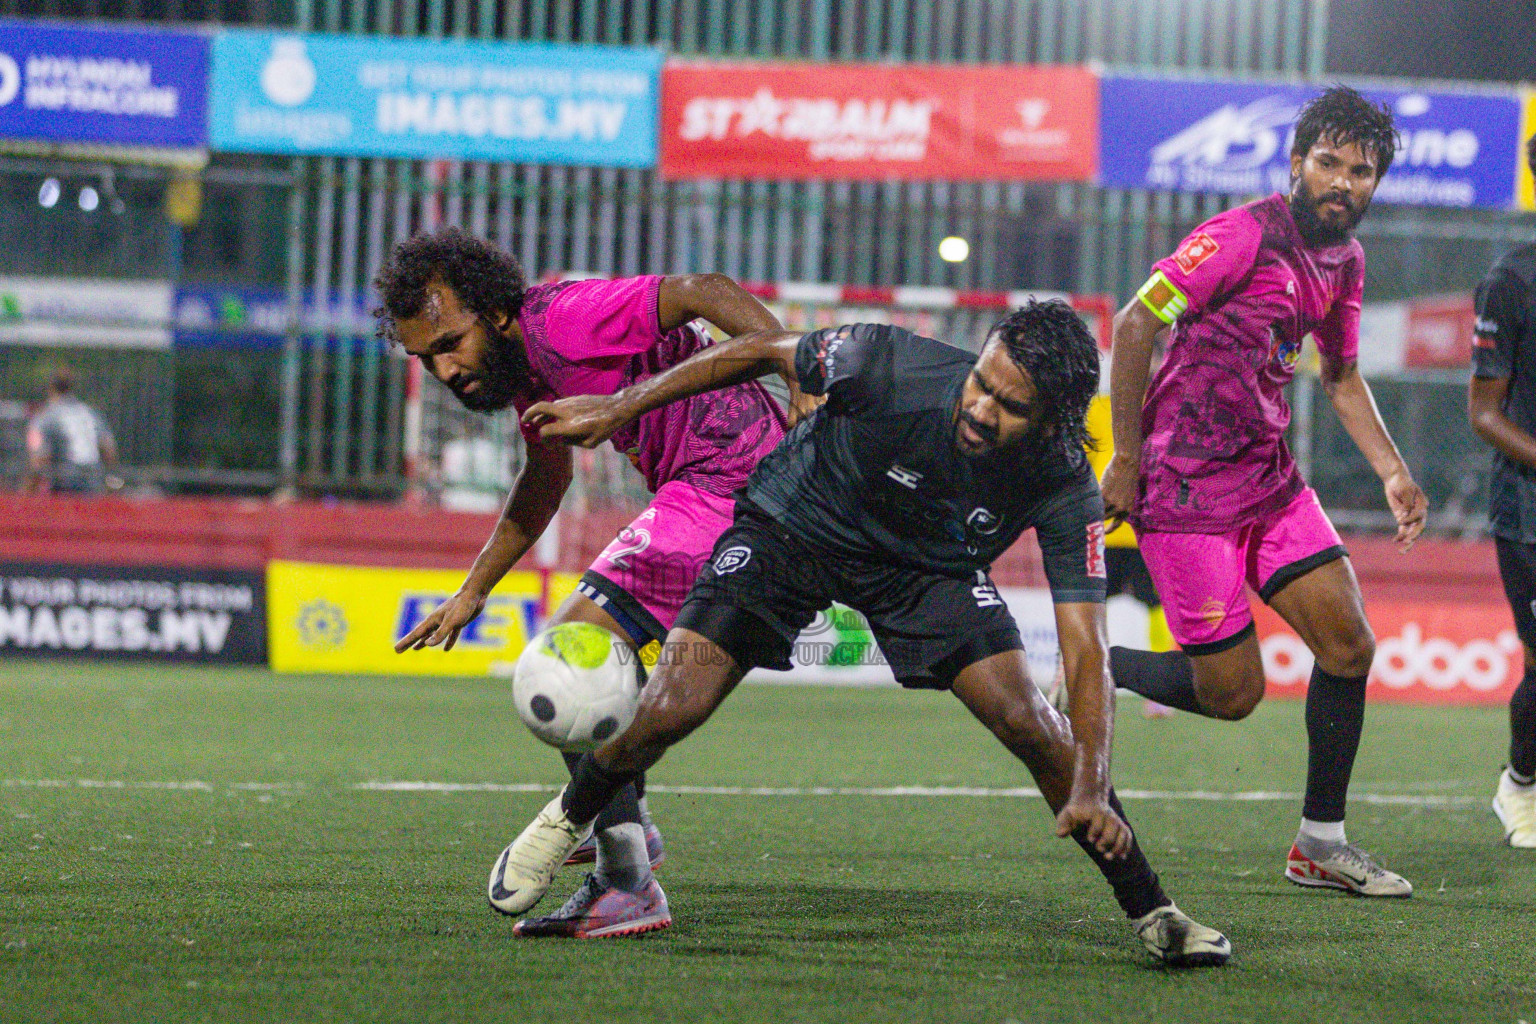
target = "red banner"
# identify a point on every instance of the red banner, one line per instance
(878, 121)
(1425, 654)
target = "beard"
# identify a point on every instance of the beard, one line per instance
(1032, 447)
(506, 373)
(1314, 230)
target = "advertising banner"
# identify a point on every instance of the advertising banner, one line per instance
(420, 98)
(1425, 654)
(1525, 187)
(1201, 135)
(84, 311)
(878, 121)
(338, 618)
(121, 87)
(236, 316)
(139, 612)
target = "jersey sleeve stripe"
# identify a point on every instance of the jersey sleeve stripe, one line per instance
(1163, 298)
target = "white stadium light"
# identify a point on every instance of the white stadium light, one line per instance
(954, 249)
(48, 195)
(89, 199)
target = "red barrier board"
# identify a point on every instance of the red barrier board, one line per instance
(878, 121)
(1448, 653)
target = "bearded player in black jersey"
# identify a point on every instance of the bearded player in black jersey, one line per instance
(925, 463)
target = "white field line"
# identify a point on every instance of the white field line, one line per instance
(1016, 793)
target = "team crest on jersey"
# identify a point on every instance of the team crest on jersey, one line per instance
(1287, 350)
(732, 559)
(1214, 611)
(983, 522)
(1195, 251)
(1096, 567)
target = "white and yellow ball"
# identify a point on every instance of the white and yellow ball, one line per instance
(576, 686)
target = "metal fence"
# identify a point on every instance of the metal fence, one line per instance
(330, 411)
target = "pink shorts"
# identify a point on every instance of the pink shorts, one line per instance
(1200, 576)
(645, 574)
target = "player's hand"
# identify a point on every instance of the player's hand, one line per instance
(1408, 504)
(1122, 477)
(1102, 827)
(583, 420)
(444, 624)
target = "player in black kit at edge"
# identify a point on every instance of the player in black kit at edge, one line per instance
(925, 463)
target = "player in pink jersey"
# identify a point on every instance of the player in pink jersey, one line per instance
(1202, 470)
(460, 306)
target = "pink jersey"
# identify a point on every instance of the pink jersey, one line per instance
(595, 337)
(1241, 292)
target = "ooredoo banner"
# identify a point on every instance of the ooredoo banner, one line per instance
(1425, 654)
(1200, 135)
(124, 87)
(878, 121)
(433, 98)
(140, 612)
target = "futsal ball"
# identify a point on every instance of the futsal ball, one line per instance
(576, 686)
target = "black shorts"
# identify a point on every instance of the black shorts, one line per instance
(1517, 568)
(763, 586)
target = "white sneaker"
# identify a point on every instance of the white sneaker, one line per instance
(526, 868)
(1170, 935)
(1516, 807)
(1344, 866)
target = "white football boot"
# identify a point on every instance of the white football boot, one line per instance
(1516, 807)
(526, 868)
(1343, 866)
(1178, 941)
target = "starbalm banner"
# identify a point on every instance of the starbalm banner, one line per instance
(425, 98)
(878, 121)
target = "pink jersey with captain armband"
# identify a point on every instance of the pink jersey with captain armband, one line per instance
(1241, 292)
(595, 337)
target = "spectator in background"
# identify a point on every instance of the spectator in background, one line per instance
(69, 447)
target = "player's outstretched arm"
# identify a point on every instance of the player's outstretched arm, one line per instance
(1352, 399)
(1085, 660)
(532, 504)
(1485, 410)
(589, 420)
(730, 307)
(712, 297)
(1135, 331)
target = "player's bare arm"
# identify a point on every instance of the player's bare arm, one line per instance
(730, 307)
(532, 503)
(1135, 331)
(1352, 399)
(1486, 398)
(589, 420)
(1085, 660)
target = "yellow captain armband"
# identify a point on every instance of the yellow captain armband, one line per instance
(1165, 301)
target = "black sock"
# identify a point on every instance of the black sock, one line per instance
(640, 786)
(621, 810)
(1137, 889)
(1167, 677)
(592, 788)
(1522, 726)
(1335, 715)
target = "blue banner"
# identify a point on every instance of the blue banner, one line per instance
(1191, 135)
(122, 87)
(427, 99)
(239, 316)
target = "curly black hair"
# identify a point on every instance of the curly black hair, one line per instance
(486, 279)
(1050, 342)
(1341, 115)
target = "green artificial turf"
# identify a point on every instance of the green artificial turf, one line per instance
(278, 889)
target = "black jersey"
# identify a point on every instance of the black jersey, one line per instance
(1506, 347)
(875, 475)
